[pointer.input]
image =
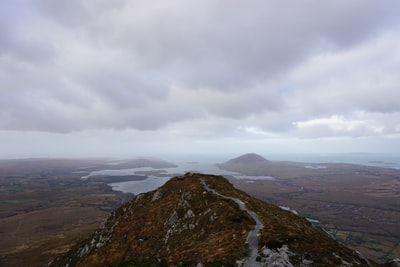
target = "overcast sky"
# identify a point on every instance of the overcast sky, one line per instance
(126, 77)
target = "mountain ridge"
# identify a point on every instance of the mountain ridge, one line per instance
(156, 227)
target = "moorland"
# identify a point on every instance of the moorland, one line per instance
(46, 206)
(358, 205)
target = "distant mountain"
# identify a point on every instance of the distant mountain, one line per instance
(248, 158)
(248, 164)
(202, 220)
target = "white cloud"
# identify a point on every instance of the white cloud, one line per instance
(338, 126)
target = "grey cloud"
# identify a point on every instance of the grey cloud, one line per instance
(17, 39)
(75, 13)
(124, 89)
(241, 43)
(116, 64)
(240, 105)
(363, 78)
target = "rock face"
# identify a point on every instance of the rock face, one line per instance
(199, 219)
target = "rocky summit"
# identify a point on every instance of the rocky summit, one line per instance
(202, 220)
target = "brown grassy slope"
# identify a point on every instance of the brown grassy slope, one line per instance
(185, 224)
(181, 222)
(283, 227)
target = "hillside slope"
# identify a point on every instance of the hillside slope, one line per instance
(200, 218)
(357, 204)
(248, 158)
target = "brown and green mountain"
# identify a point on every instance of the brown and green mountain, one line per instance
(248, 158)
(202, 219)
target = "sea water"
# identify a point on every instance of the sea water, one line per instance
(206, 166)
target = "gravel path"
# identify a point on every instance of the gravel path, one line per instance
(253, 236)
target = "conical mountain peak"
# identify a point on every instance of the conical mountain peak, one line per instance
(248, 158)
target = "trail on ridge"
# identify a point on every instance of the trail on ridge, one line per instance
(253, 236)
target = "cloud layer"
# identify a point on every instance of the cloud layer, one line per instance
(304, 69)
